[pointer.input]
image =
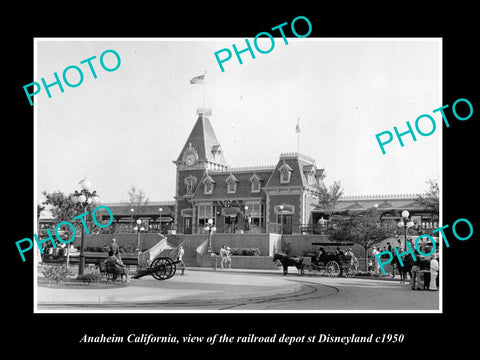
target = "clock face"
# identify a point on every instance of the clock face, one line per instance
(190, 159)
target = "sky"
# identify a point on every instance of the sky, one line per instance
(127, 126)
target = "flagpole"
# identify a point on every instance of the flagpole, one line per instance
(297, 129)
(204, 87)
(298, 142)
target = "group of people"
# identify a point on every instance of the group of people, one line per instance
(114, 259)
(424, 274)
(424, 271)
(225, 257)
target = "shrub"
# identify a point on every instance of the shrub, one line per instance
(90, 277)
(57, 274)
(246, 251)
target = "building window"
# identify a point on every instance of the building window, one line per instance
(284, 176)
(255, 186)
(208, 184)
(285, 172)
(255, 213)
(231, 184)
(205, 212)
(190, 183)
(208, 188)
(231, 187)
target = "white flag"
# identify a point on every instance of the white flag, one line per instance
(198, 80)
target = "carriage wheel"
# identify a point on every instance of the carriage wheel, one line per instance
(332, 269)
(162, 268)
(350, 272)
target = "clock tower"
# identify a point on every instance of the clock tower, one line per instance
(201, 153)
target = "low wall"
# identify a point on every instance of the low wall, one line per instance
(268, 244)
(238, 262)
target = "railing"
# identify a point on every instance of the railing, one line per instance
(221, 229)
(297, 228)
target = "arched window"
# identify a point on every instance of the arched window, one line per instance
(190, 183)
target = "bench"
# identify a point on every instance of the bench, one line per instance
(107, 270)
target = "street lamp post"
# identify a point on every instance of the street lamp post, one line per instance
(281, 207)
(131, 219)
(160, 220)
(138, 229)
(405, 223)
(210, 228)
(84, 198)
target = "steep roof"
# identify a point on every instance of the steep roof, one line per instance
(243, 178)
(299, 166)
(203, 139)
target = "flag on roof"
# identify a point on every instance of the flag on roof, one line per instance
(198, 79)
(297, 128)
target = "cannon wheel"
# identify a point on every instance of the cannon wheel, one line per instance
(162, 268)
(332, 269)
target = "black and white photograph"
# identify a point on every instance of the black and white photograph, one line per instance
(204, 210)
(280, 186)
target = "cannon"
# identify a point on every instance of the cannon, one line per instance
(161, 268)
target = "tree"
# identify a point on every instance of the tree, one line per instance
(64, 209)
(137, 198)
(431, 200)
(329, 197)
(364, 228)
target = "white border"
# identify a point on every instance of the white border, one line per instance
(37, 253)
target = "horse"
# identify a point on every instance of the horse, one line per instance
(287, 261)
(403, 270)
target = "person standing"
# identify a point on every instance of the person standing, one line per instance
(415, 281)
(181, 251)
(115, 248)
(433, 273)
(377, 264)
(223, 256)
(228, 257)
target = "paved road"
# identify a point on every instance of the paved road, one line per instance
(354, 295)
(238, 290)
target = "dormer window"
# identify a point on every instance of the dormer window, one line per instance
(208, 184)
(255, 183)
(255, 186)
(216, 150)
(232, 183)
(285, 172)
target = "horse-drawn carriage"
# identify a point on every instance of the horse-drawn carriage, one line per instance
(332, 262)
(322, 262)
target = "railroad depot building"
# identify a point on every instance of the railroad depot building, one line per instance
(281, 198)
(257, 199)
(259, 207)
